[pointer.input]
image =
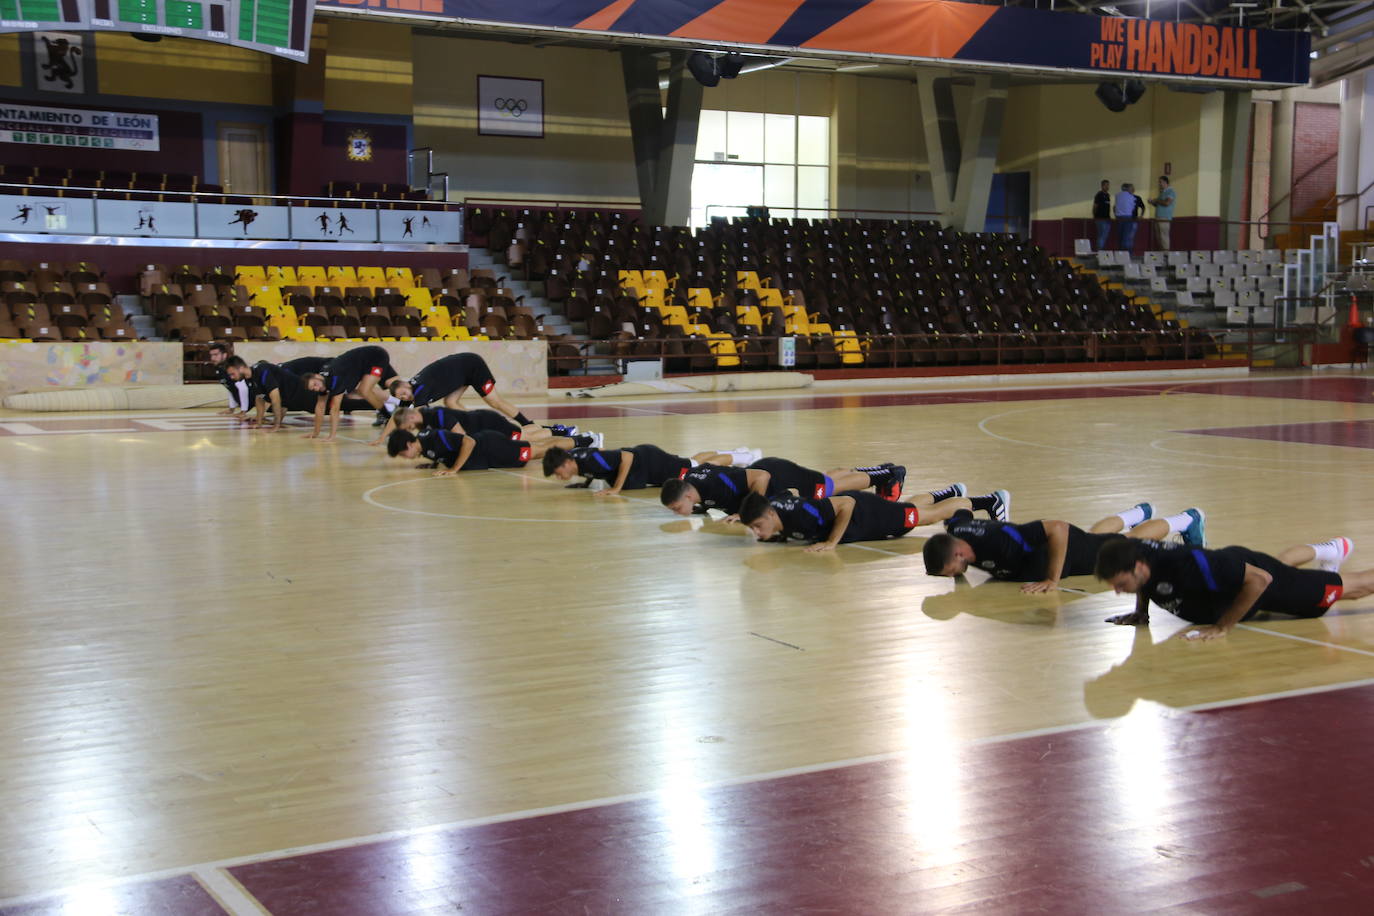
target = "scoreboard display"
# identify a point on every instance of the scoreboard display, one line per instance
(280, 27)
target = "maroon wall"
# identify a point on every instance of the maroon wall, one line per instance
(388, 163)
(181, 148)
(1189, 233)
(122, 264)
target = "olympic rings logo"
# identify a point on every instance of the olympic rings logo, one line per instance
(511, 108)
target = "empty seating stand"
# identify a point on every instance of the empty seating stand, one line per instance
(52, 301)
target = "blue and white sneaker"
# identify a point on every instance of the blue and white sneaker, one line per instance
(1195, 535)
(598, 439)
(1147, 508)
(558, 429)
(1001, 505)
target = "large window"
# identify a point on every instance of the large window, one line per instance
(747, 158)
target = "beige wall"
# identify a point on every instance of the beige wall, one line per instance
(368, 67)
(586, 153)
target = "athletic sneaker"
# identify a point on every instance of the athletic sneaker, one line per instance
(1342, 548)
(953, 491)
(559, 429)
(1001, 507)
(1195, 535)
(960, 490)
(382, 416)
(892, 490)
(1147, 508)
(598, 439)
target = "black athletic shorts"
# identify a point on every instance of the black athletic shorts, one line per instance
(347, 370)
(788, 475)
(488, 420)
(1298, 592)
(1081, 556)
(495, 450)
(876, 519)
(652, 466)
(448, 374)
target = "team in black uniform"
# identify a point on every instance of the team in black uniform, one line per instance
(630, 468)
(413, 419)
(1219, 588)
(712, 487)
(1040, 553)
(361, 369)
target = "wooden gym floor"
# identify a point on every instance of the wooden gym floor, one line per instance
(252, 673)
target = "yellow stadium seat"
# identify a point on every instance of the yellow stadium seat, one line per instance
(372, 276)
(771, 298)
(724, 349)
(795, 320)
(851, 353)
(301, 332)
(653, 298)
(654, 279)
(312, 276)
(419, 298)
(674, 314)
(250, 275)
(701, 330)
(822, 329)
(436, 317)
(631, 279)
(699, 297)
(457, 332)
(400, 277)
(749, 315)
(283, 275)
(748, 279)
(341, 276)
(266, 297)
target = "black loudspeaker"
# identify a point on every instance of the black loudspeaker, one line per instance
(727, 65)
(1111, 95)
(703, 68)
(143, 36)
(1133, 90)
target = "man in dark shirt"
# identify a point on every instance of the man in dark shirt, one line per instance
(280, 387)
(451, 452)
(471, 422)
(840, 519)
(1102, 214)
(631, 468)
(414, 419)
(239, 397)
(445, 380)
(711, 487)
(1040, 553)
(1217, 589)
(365, 370)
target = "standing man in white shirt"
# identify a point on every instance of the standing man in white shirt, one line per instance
(1164, 212)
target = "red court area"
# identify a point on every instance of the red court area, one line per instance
(1266, 807)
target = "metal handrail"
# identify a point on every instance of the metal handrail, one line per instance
(836, 210)
(1292, 185)
(110, 193)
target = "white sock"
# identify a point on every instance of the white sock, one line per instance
(740, 456)
(1131, 517)
(1178, 522)
(391, 404)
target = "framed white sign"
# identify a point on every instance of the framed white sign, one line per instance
(510, 107)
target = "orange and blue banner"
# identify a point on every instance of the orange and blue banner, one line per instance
(929, 29)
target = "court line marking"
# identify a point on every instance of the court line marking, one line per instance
(1316, 642)
(651, 794)
(228, 893)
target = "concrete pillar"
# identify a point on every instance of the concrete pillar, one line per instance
(941, 123)
(1281, 165)
(678, 147)
(980, 138)
(1235, 145)
(646, 119)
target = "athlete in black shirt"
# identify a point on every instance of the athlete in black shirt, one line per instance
(845, 517)
(445, 380)
(458, 452)
(282, 388)
(362, 369)
(1040, 553)
(413, 419)
(239, 397)
(631, 468)
(1219, 588)
(711, 487)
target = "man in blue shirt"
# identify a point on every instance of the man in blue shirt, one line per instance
(1164, 212)
(1127, 210)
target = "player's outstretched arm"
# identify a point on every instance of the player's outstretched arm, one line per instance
(335, 408)
(464, 453)
(844, 511)
(1140, 617)
(320, 401)
(1057, 534)
(1256, 581)
(627, 458)
(386, 430)
(278, 414)
(758, 480)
